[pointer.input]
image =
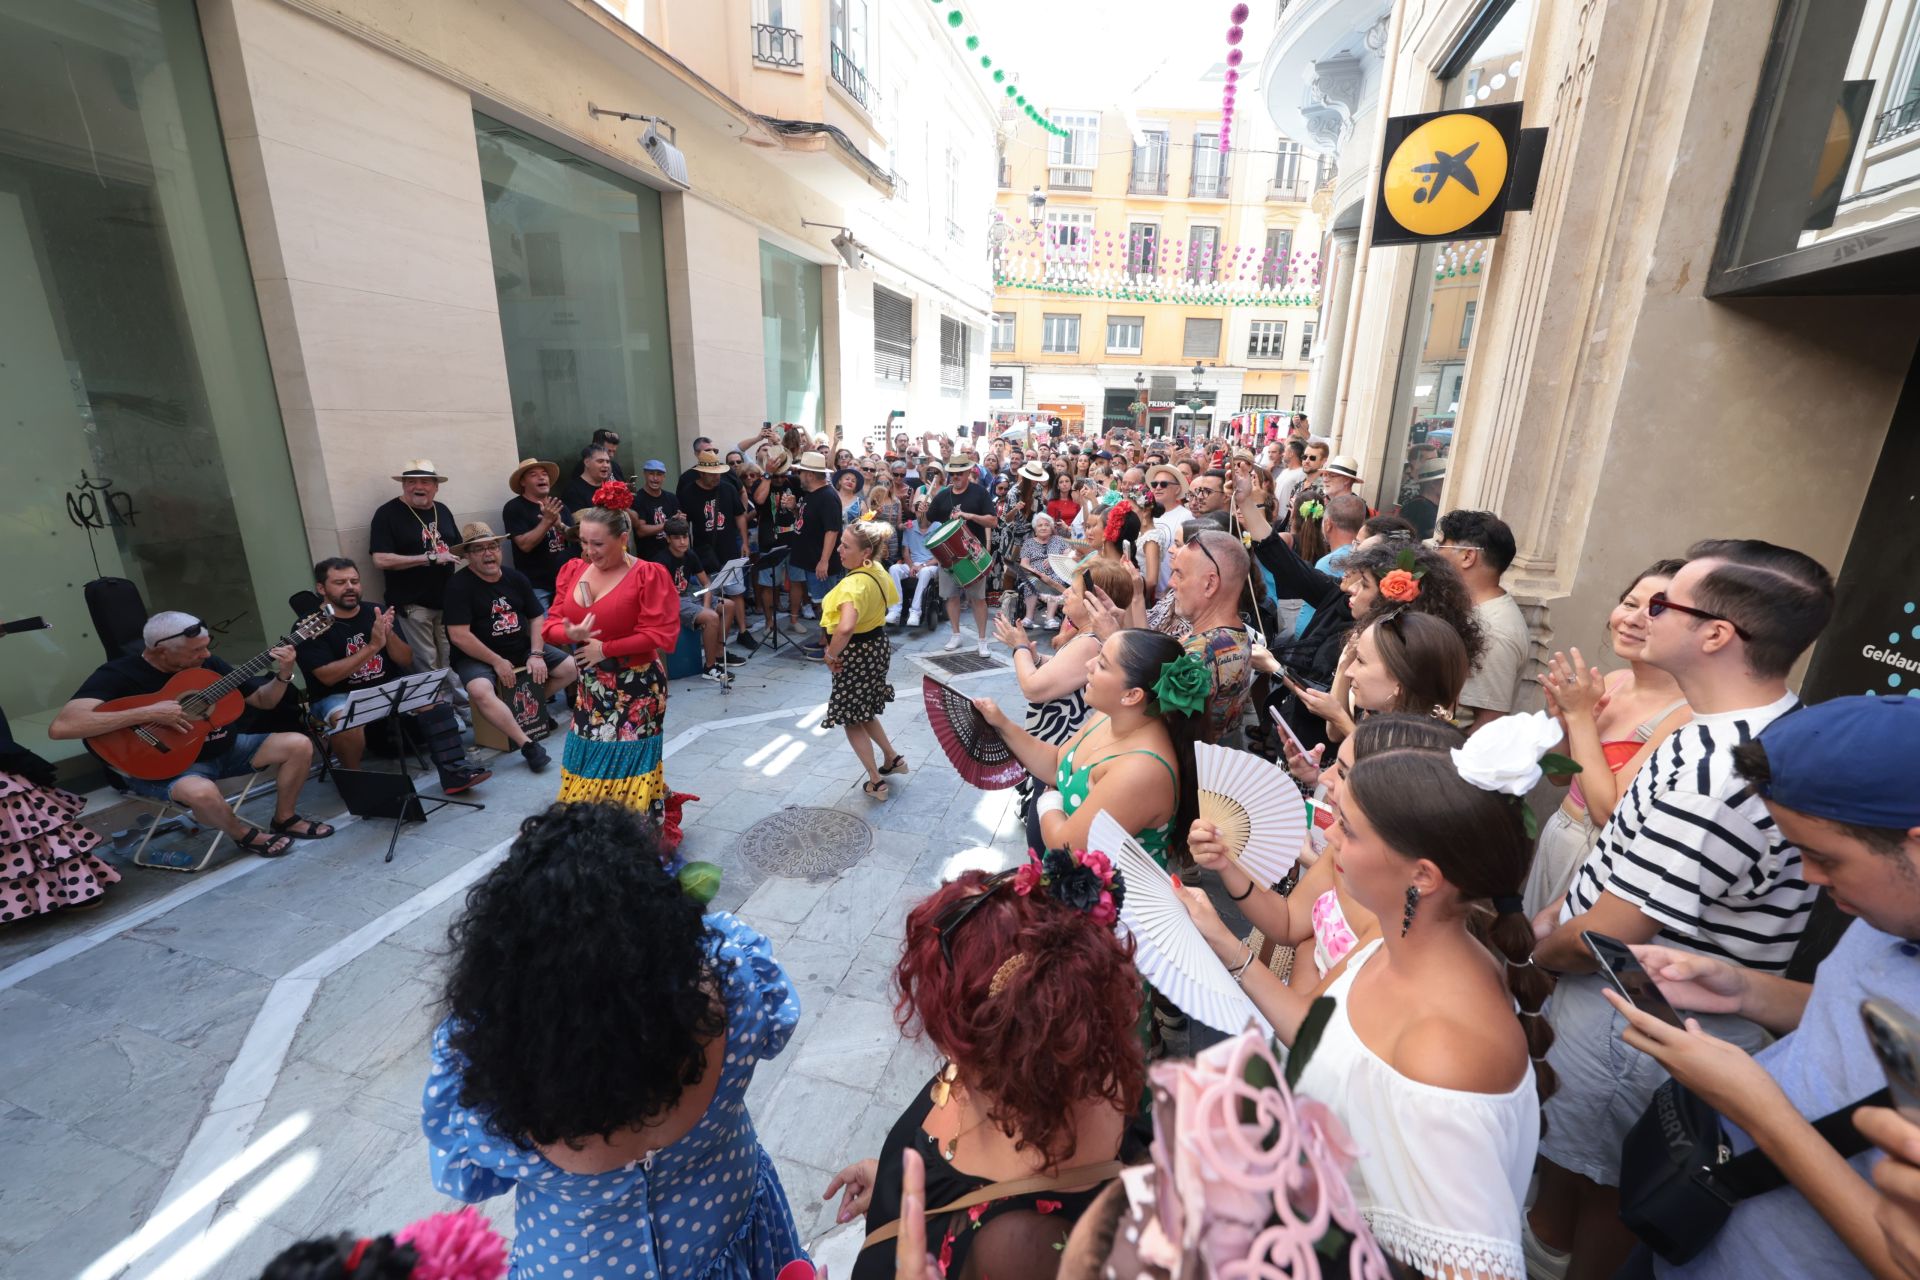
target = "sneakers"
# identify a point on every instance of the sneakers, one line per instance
(893, 615)
(717, 675)
(1543, 1261)
(746, 641)
(536, 756)
(913, 617)
(953, 642)
(982, 649)
(814, 652)
(463, 780)
(736, 659)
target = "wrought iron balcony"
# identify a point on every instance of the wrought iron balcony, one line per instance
(1209, 186)
(849, 76)
(1901, 120)
(1148, 182)
(1070, 179)
(776, 46)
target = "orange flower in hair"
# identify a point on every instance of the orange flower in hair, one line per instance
(1400, 586)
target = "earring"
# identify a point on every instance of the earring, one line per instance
(1413, 904)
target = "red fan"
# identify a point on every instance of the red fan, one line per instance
(976, 748)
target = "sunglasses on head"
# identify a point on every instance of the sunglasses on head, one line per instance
(960, 910)
(1659, 604)
(199, 629)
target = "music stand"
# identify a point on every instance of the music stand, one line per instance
(775, 558)
(375, 793)
(725, 576)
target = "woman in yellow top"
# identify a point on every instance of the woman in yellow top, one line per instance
(854, 615)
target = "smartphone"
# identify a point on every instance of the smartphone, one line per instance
(1629, 979)
(1304, 681)
(1895, 1036)
(1281, 722)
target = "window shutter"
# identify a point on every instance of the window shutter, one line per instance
(892, 335)
(1202, 337)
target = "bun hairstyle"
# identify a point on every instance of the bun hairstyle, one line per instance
(611, 502)
(1141, 654)
(1418, 803)
(873, 535)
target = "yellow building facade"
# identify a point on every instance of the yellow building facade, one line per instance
(1130, 250)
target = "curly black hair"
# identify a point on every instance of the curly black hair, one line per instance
(326, 1259)
(1443, 592)
(584, 989)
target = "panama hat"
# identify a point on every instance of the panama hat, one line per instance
(710, 464)
(529, 464)
(776, 460)
(958, 463)
(420, 469)
(1034, 471)
(477, 534)
(1343, 465)
(1430, 470)
(812, 460)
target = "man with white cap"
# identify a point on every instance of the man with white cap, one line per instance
(410, 542)
(537, 522)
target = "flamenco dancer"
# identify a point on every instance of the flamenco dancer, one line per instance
(618, 613)
(46, 857)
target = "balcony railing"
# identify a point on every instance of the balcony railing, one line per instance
(849, 76)
(1070, 179)
(776, 46)
(1148, 182)
(1903, 119)
(1209, 186)
(1293, 189)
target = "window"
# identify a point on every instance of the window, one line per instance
(1203, 246)
(1209, 165)
(1060, 335)
(1005, 169)
(1143, 248)
(1202, 337)
(1150, 161)
(1325, 170)
(1299, 404)
(1267, 340)
(1466, 323)
(953, 356)
(1124, 333)
(1276, 265)
(1286, 168)
(848, 19)
(790, 301)
(1003, 330)
(892, 336)
(1080, 146)
(1258, 403)
(1071, 231)
(1306, 339)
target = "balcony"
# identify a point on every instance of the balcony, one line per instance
(1898, 122)
(1209, 186)
(776, 46)
(1070, 179)
(1148, 182)
(849, 76)
(1288, 189)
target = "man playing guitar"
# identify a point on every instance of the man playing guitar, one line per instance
(178, 642)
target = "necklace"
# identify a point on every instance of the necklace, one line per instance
(952, 1144)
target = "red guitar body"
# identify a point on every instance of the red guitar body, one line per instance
(156, 752)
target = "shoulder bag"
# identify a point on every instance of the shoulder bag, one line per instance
(1084, 1175)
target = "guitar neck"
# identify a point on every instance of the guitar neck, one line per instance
(226, 684)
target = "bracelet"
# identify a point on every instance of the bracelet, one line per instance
(1028, 649)
(1241, 897)
(1240, 973)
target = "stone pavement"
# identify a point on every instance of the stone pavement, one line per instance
(210, 1067)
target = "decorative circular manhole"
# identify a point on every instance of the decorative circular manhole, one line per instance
(806, 843)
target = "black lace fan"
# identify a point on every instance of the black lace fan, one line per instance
(976, 748)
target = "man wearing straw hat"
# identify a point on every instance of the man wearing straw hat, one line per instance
(493, 621)
(964, 500)
(537, 523)
(410, 541)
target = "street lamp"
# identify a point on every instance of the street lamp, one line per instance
(1196, 403)
(1036, 205)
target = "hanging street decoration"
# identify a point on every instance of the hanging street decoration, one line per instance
(956, 19)
(1105, 264)
(1236, 32)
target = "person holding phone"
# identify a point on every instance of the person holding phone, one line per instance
(1858, 831)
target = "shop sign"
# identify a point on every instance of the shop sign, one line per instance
(1455, 175)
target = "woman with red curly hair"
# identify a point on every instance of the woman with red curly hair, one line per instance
(1021, 982)
(618, 613)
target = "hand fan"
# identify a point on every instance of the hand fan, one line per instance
(1064, 566)
(1257, 807)
(976, 748)
(1168, 948)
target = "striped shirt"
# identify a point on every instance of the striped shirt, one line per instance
(1694, 850)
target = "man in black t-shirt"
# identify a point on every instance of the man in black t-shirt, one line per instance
(610, 441)
(717, 520)
(361, 650)
(773, 529)
(962, 499)
(653, 506)
(816, 535)
(596, 468)
(696, 610)
(537, 522)
(177, 642)
(409, 541)
(493, 620)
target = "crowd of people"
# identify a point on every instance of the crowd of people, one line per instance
(1488, 1100)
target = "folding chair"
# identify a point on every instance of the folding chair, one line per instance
(166, 812)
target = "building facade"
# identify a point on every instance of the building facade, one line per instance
(1619, 372)
(1132, 250)
(261, 253)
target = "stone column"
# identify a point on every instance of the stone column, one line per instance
(1330, 339)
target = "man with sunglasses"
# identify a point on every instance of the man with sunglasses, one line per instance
(176, 642)
(1691, 859)
(1208, 574)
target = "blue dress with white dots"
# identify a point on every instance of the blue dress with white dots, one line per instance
(710, 1206)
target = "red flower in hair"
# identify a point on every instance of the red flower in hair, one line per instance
(1116, 518)
(614, 495)
(1026, 879)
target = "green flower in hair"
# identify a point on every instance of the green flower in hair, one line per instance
(1184, 685)
(1313, 508)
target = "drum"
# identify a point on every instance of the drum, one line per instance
(956, 550)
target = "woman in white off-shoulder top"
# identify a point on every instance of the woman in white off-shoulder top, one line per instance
(1424, 1059)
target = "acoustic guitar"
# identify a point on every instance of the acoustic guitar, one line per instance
(158, 752)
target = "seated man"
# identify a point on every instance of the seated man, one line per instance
(362, 649)
(915, 561)
(684, 567)
(492, 617)
(177, 642)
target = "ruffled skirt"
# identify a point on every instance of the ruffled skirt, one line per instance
(46, 857)
(614, 750)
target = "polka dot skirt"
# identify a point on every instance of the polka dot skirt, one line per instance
(46, 858)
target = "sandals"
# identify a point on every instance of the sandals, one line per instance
(896, 765)
(874, 790)
(315, 830)
(259, 842)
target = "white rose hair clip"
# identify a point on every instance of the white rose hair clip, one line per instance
(1510, 756)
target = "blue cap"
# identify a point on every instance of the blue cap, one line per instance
(1848, 760)
(654, 464)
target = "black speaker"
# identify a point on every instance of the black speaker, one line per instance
(376, 793)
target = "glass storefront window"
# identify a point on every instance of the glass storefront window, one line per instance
(579, 265)
(140, 429)
(1449, 281)
(790, 324)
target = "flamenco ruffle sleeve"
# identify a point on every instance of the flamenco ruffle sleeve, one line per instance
(637, 619)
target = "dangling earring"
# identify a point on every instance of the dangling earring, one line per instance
(942, 1089)
(1413, 904)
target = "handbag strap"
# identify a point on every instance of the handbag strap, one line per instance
(1076, 1177)
(1753, 1173)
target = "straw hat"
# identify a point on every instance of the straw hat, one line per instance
(776, 460)
(528, 464)
(421, 469)
(1430, 470)
(1034, 471)
(812, 460)
(710, 464)
(1344, 465)
(477, 534)
(961, 463)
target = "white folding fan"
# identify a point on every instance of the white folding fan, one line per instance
(1168, 948)
(1065, 564)
(1257, 807)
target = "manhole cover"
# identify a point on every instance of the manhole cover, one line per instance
(961, 664)
(806, 843)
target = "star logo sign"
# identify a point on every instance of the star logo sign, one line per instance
(1447, 168)
(1445, 174)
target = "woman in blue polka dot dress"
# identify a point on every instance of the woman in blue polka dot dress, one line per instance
(601, 1034)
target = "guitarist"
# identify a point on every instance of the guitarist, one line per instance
(178, 642)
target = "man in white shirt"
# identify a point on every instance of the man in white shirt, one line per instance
(1287, 481)
(1692, 859)
(1481, 547)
